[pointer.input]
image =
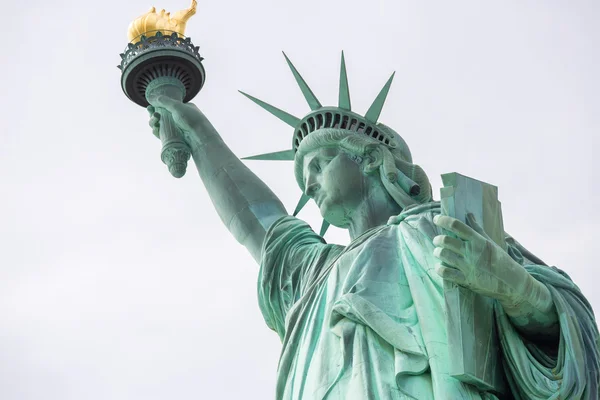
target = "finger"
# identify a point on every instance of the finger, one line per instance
(166, 102)
(455, 226)
(154, 121)
(472, 222)
(450, 258)
(150, 109)
(155, 124)
(448, 242)
(450, 274)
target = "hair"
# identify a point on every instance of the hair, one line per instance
(405, 182)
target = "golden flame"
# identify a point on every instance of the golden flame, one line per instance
(162, 21)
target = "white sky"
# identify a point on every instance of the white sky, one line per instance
(118, 281)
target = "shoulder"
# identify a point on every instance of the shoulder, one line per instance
(417, 219)
(291, 230)
(291, 241)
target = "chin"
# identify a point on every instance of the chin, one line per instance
(334, 215)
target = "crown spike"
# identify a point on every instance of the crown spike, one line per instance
(282, 115)
(344, 97)
(324, 228)
(375, 109)
(284, 155)
(301, 203)
(310, 97)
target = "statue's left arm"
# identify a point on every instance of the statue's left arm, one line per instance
(548, 333)
(534, 313)
(474, 261)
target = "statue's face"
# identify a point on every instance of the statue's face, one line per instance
(336, 182)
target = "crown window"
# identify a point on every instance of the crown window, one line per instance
(336, 120)
(319, 121)
(328, 119)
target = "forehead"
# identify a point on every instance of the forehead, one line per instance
(323, 152)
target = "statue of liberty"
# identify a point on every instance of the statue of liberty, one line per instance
(366, 321)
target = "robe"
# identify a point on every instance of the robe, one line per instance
(366, 321)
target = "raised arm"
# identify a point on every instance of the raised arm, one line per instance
(245, 203)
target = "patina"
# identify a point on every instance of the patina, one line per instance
(369, 320)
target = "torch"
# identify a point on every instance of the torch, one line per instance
(160, 60)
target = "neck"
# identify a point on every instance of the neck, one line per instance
(374, 211)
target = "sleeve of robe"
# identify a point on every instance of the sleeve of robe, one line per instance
(292, 257)
(537, 372)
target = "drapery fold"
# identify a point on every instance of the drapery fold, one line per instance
(376, 307)
(535, 371)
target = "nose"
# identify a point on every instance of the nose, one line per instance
(311, 189)
(311, 185)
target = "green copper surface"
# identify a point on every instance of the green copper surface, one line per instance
(375, 109)
(283, 155)
(324, 227)
(378, 318)
(175, 152)
(344, 95)
(301, 203)
(282, 115)
(340, 117)
(310, 97)
(472, 337)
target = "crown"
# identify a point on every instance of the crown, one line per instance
(340, 117)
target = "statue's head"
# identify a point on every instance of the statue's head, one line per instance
(342, 170)
(343, 159)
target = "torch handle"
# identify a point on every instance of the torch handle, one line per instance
(175, 151)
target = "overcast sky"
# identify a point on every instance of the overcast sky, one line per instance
(118, 281)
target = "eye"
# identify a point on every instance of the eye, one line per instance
(323, 163)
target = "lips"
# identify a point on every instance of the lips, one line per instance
(317, 198)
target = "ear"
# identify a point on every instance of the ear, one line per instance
(374, 159)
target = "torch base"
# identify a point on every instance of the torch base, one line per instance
(176, 156)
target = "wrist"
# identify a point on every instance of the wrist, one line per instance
(534, 313)
(533, 296)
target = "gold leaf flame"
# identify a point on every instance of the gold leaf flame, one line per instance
(153, 22)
